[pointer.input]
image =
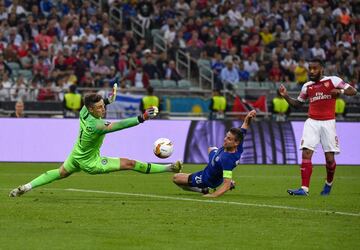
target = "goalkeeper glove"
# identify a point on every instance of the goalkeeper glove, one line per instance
(149, 113)
(112, 97)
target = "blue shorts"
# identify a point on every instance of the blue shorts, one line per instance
(197, 180)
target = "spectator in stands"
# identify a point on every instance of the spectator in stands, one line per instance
(243, 74)
(19, 110)
(100, 70)
(280, 108)
(150, 68)
(229, 75)
(33, 90)
(72, 103)
(45, 7)
(172, 73)
(182, 7)
(83, 37)
(150, 100)
(217, 65)
(304, 51)
(46, 92)
(301, 72)
(145, 10)
(224, 43)
(4, 68)
(279, 50)
(275, 73)
(170, 35)
(113, 77)
(211, 48)
(217, 105)
(251, 66)
(4, 92)
(6, 81)
(139, 78)
(266, 37)
(262, 74)
(133, 61)
(18, 90)
(288, 67)
(318, 52)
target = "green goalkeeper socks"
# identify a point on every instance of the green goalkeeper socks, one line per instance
(46, 178)
(148, 168)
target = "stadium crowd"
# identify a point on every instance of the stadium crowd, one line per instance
(48, 45)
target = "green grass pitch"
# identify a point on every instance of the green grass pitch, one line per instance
(128, 210)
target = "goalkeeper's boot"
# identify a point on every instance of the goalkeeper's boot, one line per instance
(326, 190)
(17, 191)
(176, 167)
(299, 192)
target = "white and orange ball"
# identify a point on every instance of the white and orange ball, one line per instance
(163, 148)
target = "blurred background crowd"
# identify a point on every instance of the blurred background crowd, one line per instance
(47, 46)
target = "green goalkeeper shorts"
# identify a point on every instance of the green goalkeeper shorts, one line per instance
(99, 165)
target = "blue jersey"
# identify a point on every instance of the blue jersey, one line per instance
(221, 162)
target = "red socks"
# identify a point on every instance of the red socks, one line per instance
(330, 171)
(306, 171)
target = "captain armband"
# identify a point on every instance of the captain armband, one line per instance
(227, 174)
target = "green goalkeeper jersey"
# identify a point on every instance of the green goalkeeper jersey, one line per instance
(92, 134)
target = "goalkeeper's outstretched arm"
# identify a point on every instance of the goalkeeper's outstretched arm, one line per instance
(104, 128)
(112, 97)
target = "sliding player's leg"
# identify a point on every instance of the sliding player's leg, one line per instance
(191, 182)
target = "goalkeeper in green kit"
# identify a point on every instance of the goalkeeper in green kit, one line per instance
(86, 152)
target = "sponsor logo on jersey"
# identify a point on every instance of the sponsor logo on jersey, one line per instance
(320, 96)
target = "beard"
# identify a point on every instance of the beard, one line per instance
(314, 78)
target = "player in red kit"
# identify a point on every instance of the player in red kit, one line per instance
(321, 91)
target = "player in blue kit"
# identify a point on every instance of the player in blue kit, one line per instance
(218, 172)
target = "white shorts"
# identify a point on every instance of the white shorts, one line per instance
(316, 131)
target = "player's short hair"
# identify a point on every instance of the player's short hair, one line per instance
(239, 136)
(91, 99)
(317, 60)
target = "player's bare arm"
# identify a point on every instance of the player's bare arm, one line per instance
(248, 119)
(292, 101)
(222, 190)
(349, 91)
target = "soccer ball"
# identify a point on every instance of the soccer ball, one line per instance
(163, 148)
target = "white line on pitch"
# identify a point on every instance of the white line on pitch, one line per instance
(212, 201)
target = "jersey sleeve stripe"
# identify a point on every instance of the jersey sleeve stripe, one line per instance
(87, 115)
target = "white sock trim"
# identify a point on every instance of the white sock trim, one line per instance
(306, 189)
(329, 184)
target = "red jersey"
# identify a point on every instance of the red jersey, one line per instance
(321, 103)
